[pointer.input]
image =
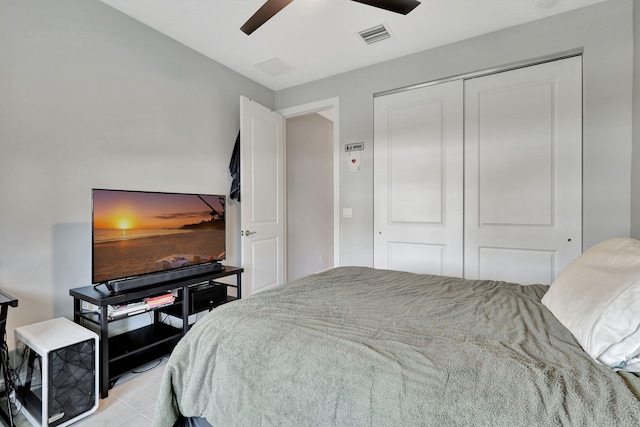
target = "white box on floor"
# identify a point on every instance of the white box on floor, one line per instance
(66, 387)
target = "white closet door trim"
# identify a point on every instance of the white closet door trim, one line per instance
(485, 72)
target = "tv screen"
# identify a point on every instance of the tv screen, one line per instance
(139, 232)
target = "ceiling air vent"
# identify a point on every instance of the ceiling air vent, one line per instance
(375, 34)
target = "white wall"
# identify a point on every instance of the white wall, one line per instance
(91, 98)
(604, 31)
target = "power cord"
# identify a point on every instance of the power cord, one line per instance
(12, 375)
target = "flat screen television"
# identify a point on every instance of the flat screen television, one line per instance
(143, 233)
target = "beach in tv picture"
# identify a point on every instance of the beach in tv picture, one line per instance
(139, 232)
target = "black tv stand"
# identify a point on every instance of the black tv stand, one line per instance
(122, 353)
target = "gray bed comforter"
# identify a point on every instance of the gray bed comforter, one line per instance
(356, 346)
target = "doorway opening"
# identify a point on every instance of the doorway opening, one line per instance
(311, 188)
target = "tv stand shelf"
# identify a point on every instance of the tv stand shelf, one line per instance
(123, 353)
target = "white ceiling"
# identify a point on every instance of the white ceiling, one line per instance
(319, 38)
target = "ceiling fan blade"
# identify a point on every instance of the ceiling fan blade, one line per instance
(266, 12)
(399, 6)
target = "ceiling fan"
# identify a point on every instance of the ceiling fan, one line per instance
(271, 7)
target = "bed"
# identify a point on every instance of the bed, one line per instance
(356, 346)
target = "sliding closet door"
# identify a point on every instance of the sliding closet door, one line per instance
(418, 180)
(523, 172)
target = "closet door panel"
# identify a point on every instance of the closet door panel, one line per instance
(515, 155)
(416, 257)
(415, 163)
(523, 172)
(418, 180)
(536, 266)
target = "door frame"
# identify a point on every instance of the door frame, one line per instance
(309, 108)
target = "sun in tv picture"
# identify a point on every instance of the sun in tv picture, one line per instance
(137, 232)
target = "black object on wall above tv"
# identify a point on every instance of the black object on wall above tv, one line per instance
(142, 238)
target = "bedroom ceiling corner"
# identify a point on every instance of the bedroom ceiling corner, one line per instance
(311, 39)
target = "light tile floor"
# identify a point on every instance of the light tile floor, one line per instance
(131, 402)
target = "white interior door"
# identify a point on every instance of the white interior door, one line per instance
(263, 186)
(418, 180)
(523, 172)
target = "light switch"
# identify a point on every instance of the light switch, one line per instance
(347, 212)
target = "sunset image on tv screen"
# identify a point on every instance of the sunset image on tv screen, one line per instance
(142, 232)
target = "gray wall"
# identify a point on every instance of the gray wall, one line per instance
(309, 195)
(635, 168)
(90, 98)
(604, 31)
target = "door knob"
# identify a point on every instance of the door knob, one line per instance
(249, 233)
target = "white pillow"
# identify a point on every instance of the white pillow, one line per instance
(597, 298)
